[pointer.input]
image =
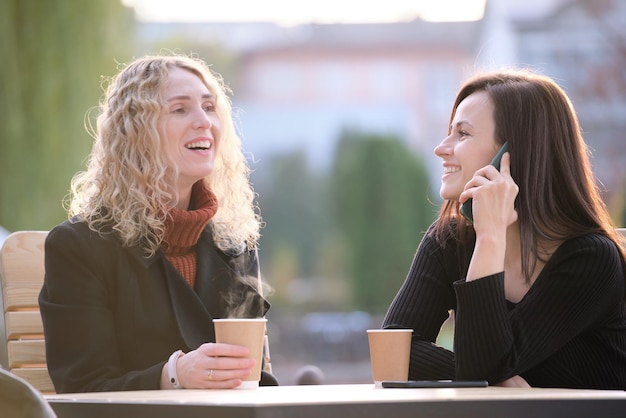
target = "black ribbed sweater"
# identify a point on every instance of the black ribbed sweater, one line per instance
(568, 331)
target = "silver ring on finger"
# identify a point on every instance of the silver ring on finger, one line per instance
(209, 374)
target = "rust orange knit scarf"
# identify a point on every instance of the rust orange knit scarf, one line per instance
(183, 229)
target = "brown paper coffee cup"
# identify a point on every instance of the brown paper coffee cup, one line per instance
(390, 351)
(249, 332)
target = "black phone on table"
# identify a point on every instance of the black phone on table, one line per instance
(435, 384)
(466, 208)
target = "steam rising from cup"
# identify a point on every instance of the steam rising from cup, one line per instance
(245, 299)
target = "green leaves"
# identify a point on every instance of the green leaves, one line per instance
(55, 54)
(380, 190)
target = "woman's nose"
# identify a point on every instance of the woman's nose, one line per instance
(444, 148)
(202, 120)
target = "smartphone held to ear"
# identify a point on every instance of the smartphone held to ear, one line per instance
(466, 208)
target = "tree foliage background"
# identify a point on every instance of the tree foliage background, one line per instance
(343, 238)
(381, 197)
(54, 54)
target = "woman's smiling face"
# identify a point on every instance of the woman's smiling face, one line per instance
(470, 145)
(189, 126)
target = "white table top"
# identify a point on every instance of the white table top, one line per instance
(332, 396)
(271, 395)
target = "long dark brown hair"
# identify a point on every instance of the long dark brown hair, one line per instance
(558, 195)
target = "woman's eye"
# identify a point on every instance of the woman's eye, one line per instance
(178, 110)
(209, 108)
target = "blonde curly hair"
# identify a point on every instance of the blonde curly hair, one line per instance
(127, 185)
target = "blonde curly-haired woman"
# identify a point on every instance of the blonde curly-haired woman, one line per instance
(161, 239)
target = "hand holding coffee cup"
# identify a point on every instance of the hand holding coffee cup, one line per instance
(247, 332)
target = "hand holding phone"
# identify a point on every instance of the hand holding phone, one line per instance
(466, 208)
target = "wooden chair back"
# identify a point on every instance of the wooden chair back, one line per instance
(21, 277)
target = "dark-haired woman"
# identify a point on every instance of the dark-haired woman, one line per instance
(537, 280)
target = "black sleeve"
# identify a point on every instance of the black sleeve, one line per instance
(79, 324)
(577, 290)
(423, 304)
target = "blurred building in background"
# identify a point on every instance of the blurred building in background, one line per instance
(386, 78)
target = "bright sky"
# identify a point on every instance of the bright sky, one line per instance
(291, 12)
